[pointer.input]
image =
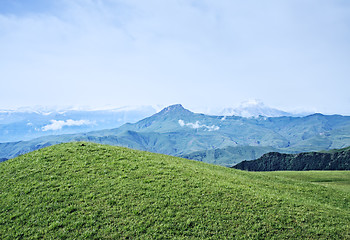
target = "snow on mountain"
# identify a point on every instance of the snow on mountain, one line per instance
(254, 108)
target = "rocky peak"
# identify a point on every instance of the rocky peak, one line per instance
(174, 109)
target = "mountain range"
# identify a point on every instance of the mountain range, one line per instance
(29, 123)
(224, 140)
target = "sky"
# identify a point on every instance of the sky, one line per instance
(292, 54)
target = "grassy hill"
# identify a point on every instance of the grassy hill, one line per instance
(339, 180)
(86, 190)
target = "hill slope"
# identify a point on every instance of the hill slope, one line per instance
(85, 190)
(332, 160)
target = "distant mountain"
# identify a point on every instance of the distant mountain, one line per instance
(254, 108)
(179, 132)
(229, 155)
(274, 161)
(26, 124)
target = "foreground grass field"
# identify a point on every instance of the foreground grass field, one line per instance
(91, 191)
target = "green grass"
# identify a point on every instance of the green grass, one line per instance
(339, 180)
(70, 191)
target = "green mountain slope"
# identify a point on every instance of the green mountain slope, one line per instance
(229, 156)
(338, 159)
(180, 132)
(91, 191)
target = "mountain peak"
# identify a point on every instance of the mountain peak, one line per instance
(176, 108)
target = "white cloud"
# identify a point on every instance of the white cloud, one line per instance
(197, 125)
(182, 123)
(59, 124)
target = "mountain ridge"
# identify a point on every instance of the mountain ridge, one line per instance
(31, 122)
(337, 159)
(27, 125)
(177, 131)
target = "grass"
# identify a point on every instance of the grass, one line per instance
(91, 191)
(339, 180)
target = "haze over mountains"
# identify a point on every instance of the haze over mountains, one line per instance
(180, 132)
(28, 123)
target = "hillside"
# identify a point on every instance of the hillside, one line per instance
(85, 190)
(179, 132)
(229, 155)
(332, 160)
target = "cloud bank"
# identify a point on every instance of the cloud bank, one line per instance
(197, 125)
(59, 124)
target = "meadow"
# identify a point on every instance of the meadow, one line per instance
(339, 180)
(89, 191)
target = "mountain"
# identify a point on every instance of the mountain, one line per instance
(333, 160)
(26, 124)
(178, 131)
(89, 191)
(254, 108)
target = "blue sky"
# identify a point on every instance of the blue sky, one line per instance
(292, 54)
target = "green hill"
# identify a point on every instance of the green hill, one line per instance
(91, 191)
(336, 159)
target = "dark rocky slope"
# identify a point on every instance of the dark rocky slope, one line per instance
(274, 161)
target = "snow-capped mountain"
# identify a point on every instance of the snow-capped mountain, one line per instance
(254, 108)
